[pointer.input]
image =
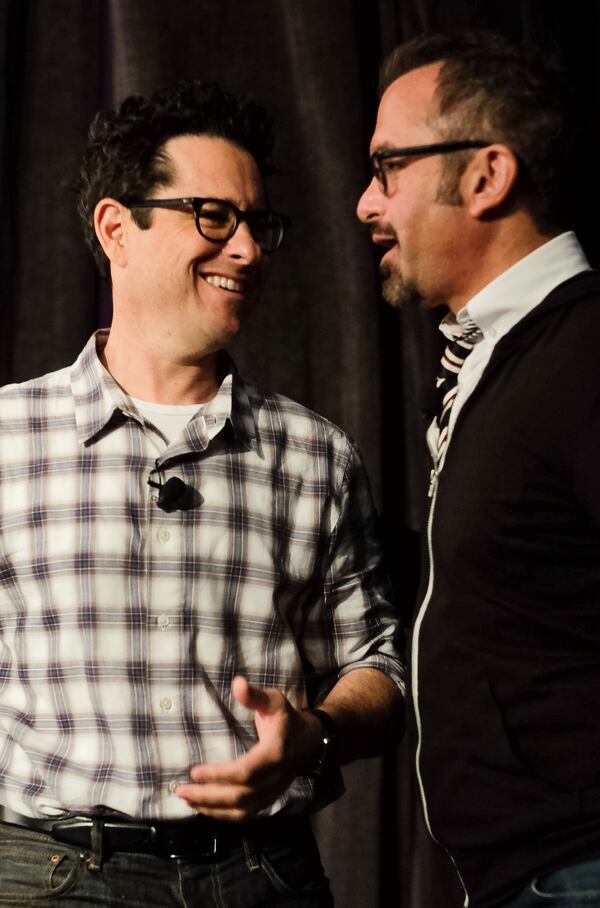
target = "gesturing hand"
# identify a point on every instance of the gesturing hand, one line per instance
(289, 741)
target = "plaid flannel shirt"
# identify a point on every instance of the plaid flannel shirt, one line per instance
(122, 625)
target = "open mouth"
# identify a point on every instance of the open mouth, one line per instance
(386, 246)
(223, 283)
(384, 240)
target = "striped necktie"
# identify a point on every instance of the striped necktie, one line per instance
(452, 362)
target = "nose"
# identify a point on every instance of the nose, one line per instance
(242, 246)
(371, 204)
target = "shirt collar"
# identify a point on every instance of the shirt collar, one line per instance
(509, 297)
(99, 399)
(96, 394)
(230, 404)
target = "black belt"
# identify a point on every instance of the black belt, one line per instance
(197, 837)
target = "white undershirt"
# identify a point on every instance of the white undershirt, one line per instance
(169, 419)
(504, 302)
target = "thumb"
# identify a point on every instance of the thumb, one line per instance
(258, 699)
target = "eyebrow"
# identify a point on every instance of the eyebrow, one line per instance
(383, 146)
(387, 146)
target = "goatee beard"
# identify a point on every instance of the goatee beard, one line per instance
(400, 293)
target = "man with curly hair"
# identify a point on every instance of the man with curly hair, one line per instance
(196, 629)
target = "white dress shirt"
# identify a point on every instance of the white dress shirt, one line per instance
(504, 302)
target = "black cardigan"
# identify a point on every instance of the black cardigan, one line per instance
(508, 669)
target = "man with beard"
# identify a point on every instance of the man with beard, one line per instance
(188, 562)
(467, 203)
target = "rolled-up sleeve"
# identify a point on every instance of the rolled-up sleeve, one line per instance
(352, 621)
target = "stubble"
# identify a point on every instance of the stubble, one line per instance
(399, 293)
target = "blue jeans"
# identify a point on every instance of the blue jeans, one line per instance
(569, 887)
(35, 870)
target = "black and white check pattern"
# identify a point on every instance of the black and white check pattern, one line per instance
(122, 626)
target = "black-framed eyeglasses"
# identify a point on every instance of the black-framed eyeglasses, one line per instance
(217, 219)
(387, 161)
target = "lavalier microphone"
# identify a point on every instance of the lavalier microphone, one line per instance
(172, 496)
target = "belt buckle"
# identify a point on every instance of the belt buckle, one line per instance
(209, 851)
(211, 854)
(146, 832)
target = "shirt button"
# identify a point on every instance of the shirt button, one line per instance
(163, 621)
(174, 785)
(154, 496)
(166, 704)
(164, 535)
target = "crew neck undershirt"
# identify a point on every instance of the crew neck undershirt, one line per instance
(170, 419)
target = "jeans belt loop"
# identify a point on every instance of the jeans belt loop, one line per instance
(97, 843)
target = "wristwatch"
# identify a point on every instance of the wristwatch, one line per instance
(327, 752)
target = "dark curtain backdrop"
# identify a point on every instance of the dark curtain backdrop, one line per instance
(322, 335)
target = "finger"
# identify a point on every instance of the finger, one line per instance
(248, 769)
(233, 816)
(258, 699)
(210, 798)
(229, 797)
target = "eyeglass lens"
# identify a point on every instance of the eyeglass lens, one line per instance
(218, 220)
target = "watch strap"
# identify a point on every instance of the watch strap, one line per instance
(330, 732)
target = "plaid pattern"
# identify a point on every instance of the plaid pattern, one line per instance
(122, 626)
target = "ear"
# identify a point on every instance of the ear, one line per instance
(489, 179)
(110, 222)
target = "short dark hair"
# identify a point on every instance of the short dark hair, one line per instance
(489, 88)
(124, 157)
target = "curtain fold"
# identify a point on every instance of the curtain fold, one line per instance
(52, 300)
(322, 334)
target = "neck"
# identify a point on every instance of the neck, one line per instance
(146, 373)
(503, 244)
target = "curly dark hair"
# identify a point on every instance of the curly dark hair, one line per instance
(491, 89)
(125, 158)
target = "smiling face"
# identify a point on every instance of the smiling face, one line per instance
(418, 232)
(182, 294)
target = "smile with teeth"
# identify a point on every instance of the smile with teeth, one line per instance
(225, 283)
